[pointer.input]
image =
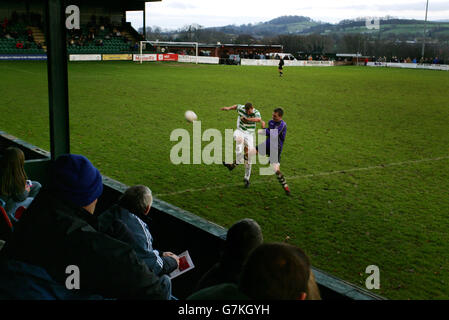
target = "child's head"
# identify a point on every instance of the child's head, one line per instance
(12, 173)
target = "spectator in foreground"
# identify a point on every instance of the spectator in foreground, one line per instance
(273, 271)
(133, 207)
(15, 189)
(243, 237)
(59, 230)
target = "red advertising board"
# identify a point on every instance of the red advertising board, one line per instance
(167, 57)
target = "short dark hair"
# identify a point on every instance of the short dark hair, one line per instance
(279, 111)
(275, 271)
(242, 237)
(248, 106)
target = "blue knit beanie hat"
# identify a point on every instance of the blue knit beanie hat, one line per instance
(76, 179)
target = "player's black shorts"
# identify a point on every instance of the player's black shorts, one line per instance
(264, 151)
(280, 67)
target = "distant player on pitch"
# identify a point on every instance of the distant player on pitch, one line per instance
(272, 147)
(244, 136)
(281, 67)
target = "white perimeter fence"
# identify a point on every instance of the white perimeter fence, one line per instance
(244, 62)
(287, 63)
(443, 67)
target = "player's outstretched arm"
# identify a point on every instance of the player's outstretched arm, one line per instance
(252, 119)
(234, 107)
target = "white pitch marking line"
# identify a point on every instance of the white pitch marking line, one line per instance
(320, 174)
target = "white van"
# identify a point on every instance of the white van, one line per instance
(282, 55)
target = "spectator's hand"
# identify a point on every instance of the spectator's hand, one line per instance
(28, 185)
(172, 255)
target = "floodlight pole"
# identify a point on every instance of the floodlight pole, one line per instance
(424, 34)
(358, 50)
(144, 21)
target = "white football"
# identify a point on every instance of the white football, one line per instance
(190, 116)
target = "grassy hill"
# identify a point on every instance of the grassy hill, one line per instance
(395, 28)
(391, 28)
(281, 25)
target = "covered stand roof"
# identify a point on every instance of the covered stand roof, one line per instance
(116, 4)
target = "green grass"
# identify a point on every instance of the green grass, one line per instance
(393, 216)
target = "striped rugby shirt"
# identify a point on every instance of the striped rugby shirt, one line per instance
(249, 127)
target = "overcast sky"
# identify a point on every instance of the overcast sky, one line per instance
(173, 14)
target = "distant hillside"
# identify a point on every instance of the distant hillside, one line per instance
(391, 28)
(277, 26)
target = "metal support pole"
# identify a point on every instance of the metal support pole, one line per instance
(424, 34)
(58, 93)
(144, 21)
(141, 48)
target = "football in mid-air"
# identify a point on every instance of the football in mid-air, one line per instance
(190, 116)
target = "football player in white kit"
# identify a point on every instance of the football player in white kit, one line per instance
(244, 135)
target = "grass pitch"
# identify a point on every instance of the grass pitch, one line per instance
(366, 155)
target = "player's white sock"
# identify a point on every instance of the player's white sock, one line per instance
(239, 157)
(247, 171)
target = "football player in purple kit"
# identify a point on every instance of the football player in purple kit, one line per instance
(272, 147)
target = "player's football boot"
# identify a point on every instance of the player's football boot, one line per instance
(230, 166)
(246, 183)
(287, 190)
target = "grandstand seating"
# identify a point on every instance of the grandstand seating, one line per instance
(112, 45)
(8, 46)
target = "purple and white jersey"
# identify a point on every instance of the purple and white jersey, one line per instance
(281, 127)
